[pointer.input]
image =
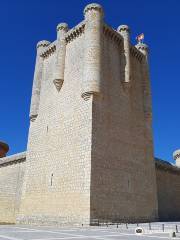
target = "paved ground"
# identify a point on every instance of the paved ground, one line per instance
(16, 232)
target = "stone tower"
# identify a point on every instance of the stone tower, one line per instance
(90, 146)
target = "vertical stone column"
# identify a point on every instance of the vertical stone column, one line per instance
(92, 78)
(146, 82)
(58, 80)
(125, 33)
(37, 80)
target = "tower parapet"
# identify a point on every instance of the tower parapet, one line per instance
(92, 82)
(58, 80)
(176, 156)
(37, 80)
(124, 30)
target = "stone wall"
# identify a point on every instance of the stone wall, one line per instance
(57, 181)
(11, 179)
(123, 184)
(168, 186)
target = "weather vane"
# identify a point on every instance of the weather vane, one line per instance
(140, 38)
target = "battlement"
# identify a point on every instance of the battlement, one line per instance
(112, 34)
(50, 49)
(70, 36)
(42, 43)
(78, 30)
(75, 32)
(136, 53)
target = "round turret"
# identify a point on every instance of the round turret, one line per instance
(4, 148)
(124, 31)
(123, 28)
(62, 29)
(62, 26)
(92, 82)
(176, 156)
(142, 47)
(93, 6)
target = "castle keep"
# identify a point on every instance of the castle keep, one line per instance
(90, 145)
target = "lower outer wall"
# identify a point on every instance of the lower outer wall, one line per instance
(11, 179)
(168, 185)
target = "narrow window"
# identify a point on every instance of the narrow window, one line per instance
(128, 183)
(51, 179)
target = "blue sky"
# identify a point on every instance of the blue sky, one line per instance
(24, 23)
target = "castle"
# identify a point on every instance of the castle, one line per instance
(90, 147)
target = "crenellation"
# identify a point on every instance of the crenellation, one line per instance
(49, 50)
(70, 36)
(75, 32)
(43, 43)
(112, 34)
(136, 53)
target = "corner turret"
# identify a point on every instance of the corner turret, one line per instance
(124, 31)
(92, 81)
(58, 78)
(142, 47)
(61, 29)
(41, 45)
